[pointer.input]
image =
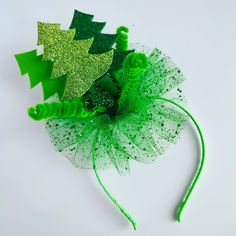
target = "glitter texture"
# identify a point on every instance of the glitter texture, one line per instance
(70, 57)
(143, 130)
(86, 28)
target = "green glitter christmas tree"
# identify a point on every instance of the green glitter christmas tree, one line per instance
(56, 73)
(86, 28)
(70, 57)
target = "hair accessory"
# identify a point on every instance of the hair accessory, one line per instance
(106, 103)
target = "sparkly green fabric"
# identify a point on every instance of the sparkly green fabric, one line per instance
(141, 132)
(70, 57)
(104, 92)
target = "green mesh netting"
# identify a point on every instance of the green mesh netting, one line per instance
(142, 132)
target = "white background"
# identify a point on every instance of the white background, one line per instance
(42, 194)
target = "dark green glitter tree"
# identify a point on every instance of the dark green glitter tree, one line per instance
(86, 28)
(71, 57)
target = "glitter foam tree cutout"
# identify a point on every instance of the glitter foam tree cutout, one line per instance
(86, 28)
(71, 58)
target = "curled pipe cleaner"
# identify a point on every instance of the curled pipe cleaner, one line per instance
(133, 65)
(122, 42)
(65, 109)
(107, 103)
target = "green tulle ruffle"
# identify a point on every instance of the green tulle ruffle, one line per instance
(141, 129)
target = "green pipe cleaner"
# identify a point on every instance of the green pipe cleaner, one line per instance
(106, 105)
(64, 109)
(122, 43)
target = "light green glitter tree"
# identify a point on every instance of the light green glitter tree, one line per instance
(70, 57)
